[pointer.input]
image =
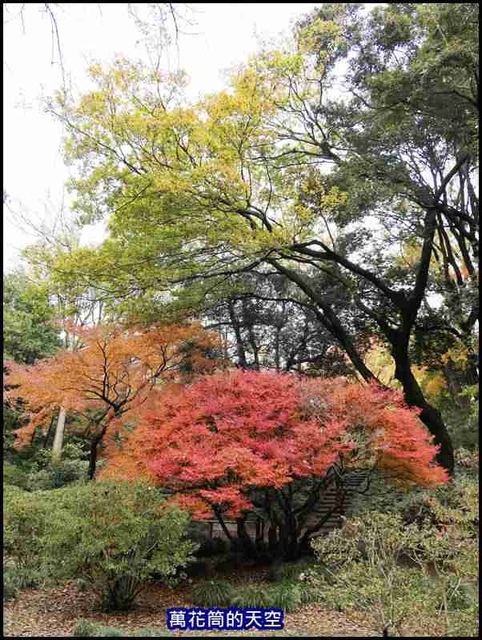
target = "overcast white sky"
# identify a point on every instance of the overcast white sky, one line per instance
(34, 174)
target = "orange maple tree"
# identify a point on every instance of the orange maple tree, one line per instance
(110, 376)
(240, 442)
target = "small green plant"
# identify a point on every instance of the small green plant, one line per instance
(27, 577)
(212, 593)
(309, 593)
(10, 586)
(82, 584)
(286, 596)
(252, 596)
(84, 629)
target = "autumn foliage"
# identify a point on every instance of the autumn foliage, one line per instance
(232, 437)
(110, 374)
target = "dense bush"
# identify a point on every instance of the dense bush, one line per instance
(116, 535)
(15, 475)
(72, 468)
(414, 570)
(27, 520)
(113, 536)
(58, 475)
(10, 585)
(385, 498)
(37, 473)
(310, 593)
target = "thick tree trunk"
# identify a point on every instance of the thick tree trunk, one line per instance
(248, 545)
(430, 416)
(219, 517)
(259, 531)
(289, 547)
(272, 538)
(94, 447)
(399, 341)
(102, 424)
(58, 442)
(49, 432)
(94, 451)
(59, 436)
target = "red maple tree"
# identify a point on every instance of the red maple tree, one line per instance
(271, 443)
(110, 376)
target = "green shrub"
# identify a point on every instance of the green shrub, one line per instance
(212, 593)
(252, 596)
(10, 586)
(84, 629)
(58, 475)
(115, 535)
(82, 584)
(437, 533)
(72, 468)
(286, 596)
(14, 475)
(37, 473)
(390, 598)
(110, 632)
(26, 577)
(26, 524)
(310, 593)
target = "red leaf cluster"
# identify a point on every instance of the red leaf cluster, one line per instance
(223, 436)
